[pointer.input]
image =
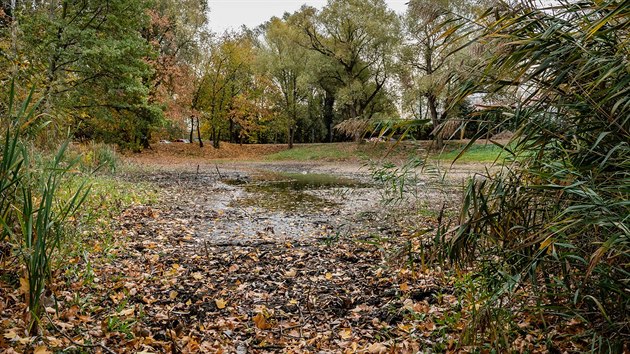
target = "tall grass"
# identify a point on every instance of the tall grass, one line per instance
(555, 223)
(32, 214)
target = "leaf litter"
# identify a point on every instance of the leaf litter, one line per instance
(183, 277)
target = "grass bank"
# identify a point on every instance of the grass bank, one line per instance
(478, 153)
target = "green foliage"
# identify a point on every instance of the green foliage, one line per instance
(33, 216)
(356, 42)
(431, 59)
(398, 182)
(91, 64)
(556, 222)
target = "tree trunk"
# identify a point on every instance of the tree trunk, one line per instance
(192, 128)
(199, 133)
(432, 103)
(216, 137)
(231, 131)
(291, 136)
(329, 114)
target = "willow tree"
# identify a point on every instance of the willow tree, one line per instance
(432, 57)
(289, 66)
(358, 40)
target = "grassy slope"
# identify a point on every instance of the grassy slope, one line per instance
(479, 153)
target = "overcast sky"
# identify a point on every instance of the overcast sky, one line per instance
(232, 14)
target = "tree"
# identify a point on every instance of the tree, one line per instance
(288, 65)
(177, 34)
(358, 40)
(89, 63)
(226, 75)
(431, 58)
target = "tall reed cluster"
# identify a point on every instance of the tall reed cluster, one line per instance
(33, 212)
(556, 220)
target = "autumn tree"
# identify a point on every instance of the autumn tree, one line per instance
(227, 73)
(178, 35)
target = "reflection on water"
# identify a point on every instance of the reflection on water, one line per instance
(290, 191)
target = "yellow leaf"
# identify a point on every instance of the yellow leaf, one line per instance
(405, 328)
(329, 275)
(345, 333)
(404, 287)
(261, 322)
(172, 295)
(197, 276)
(126, 312)
(42, 350)
(546, 242)
(24, 287)
(220, 303)
(10, 334)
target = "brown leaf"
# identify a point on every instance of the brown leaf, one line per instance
(42, 349)
(345, 333)
(404, 287)
(377, 348)
(24, 287)
(261, 322)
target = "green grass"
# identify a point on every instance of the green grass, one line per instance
(90, 231)
(344, 151)
(313, 152)
(480, 153)
(476, 153)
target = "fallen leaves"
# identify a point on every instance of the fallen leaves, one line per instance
(404, 287)
(42, 349)
(161, 290)
(345, 333)
(377, 348)
(220, 303)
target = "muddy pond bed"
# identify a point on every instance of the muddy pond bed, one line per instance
(250, 206)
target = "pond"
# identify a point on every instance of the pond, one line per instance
(293, 192)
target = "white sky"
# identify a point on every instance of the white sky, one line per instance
(232, 14)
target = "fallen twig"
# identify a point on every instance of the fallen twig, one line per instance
(99, 345)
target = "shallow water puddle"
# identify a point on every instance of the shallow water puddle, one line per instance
(292, 192)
